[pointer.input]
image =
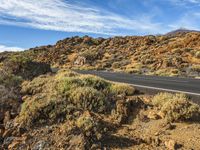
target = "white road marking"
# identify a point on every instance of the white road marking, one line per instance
(163, 89)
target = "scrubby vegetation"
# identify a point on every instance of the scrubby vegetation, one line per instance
(67, 110)
(122, 89)
(163, 55)
(57, 95)
(40, 109)
(176, 107)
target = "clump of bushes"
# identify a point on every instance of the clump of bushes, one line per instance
(176, 107)
(23, 66)
(90, 55)
(41, 110)
(122, 89)
(9, 80)
(53, 97)
(93, 128)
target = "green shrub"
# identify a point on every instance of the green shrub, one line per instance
(95, 82)
(65, 73)
(9, 80)
(90, 55)
(196, 68)
(85, 122)
(40, 84)
(88, 98)
(122, 89)
(23, 66)
(176, 107)
(66, 84)
(161, 98)
(39, 111)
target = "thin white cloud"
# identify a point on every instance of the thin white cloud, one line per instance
(62, 15)
(7, 48)
(185, 2)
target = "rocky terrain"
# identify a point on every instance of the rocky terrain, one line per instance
(40, 109)
(173, 54)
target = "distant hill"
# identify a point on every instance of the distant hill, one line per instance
(163, 55)
(181, 30)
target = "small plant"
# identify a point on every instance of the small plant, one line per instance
(122, 89)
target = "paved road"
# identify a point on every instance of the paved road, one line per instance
(170, 84)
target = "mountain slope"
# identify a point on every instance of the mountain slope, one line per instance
(177, 55)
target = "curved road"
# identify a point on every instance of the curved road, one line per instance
(170, 84)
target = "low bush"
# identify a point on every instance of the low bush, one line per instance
(50, 98)
(95, 82)
(196, 68)
(23, 66)
(161, 98)
(90, 55)
(176, 107)
(40, 110)
(197, 54)
(122, 89)
(88, 98)
(9, 80)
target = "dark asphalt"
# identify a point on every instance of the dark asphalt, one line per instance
(171, 84)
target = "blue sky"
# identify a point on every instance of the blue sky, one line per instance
(29, 23)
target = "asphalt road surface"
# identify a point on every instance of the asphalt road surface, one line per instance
(168, 84)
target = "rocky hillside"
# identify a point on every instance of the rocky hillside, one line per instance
(67, 110)
(167, 55)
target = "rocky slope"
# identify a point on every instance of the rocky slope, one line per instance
(167, 55)
(66, 110)
(41, 109)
